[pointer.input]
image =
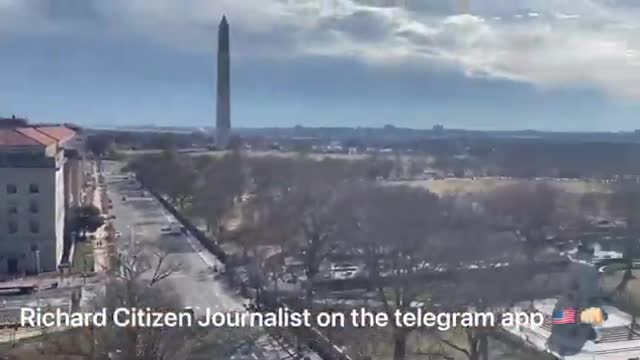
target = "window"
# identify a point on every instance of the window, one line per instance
(12, 227)
(34, 227)
(12, 188)
(34, 207)
(34, 189)
(12, 207)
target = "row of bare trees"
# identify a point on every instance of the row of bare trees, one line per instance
(312, 209)
(622, 205)
(139, 281)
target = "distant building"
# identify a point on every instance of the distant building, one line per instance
(223, 100)
(39, 181)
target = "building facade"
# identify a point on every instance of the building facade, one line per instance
(34, 178)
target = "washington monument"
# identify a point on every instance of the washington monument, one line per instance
(223, 101)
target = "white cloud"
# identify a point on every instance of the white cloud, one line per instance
(597, 46)
(544, 42)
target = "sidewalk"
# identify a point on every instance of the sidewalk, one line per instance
(15, 335)
(101, 263)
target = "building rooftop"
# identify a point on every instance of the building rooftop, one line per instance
(60, 133)
(13, 138)
(27, 136)
(35, 134)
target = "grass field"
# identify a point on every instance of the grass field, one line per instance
(441, 186)
(83, 257)
(317, 156)
(461, 186)
(250, 153)
(42, 347)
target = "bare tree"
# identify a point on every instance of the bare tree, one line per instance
(593, 204)
(625, 203)
(417, 166)
(394, 228)
(296, 202)
(425, 251)
(169, 173)
(270, 175)
(220, 181)
(139, 282)
(529, 209)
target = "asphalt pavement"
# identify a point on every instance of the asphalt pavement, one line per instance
(139, 220)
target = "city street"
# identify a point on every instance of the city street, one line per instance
(139, 220)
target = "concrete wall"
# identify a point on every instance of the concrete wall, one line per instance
(60, 211)
(76, 176)
(73, 181)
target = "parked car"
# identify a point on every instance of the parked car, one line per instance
(172, 229)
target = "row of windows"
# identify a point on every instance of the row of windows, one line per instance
(34, 207)
(13, 189)
(12, 227)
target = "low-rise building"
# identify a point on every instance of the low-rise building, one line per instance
(37, 183)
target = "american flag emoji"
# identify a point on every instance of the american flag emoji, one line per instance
(566, 316)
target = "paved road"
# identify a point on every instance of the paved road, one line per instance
(139, 219)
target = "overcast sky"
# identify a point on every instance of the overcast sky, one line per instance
(482, 64)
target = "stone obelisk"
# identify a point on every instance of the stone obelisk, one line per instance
(223, 101)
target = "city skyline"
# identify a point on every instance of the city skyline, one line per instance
(547, 65)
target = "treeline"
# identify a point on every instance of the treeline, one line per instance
(208, 186)
(459, 155)
(530, 158)
(103, 142)
(314, 209)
